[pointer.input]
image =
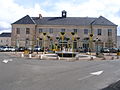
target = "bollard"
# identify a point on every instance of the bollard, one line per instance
(103, 58)
(30, 56)
(112, 58)
(117, 57)
(91, 58)
(22, 55)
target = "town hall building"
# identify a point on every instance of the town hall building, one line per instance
(68, 32)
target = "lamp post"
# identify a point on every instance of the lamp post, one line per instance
(38, 43)
(62, 35)
(90, 42)
(48, 40)
(44, 34)
(97, 40)
(56, 46)
(58, 38)
(73, 33)
(51, 41)
(67, 43)
(78, 38)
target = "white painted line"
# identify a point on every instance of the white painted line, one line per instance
(85, 77)
(97, 73)
(5, 61)
(91, 74)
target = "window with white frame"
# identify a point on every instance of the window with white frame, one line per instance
(75, 30)
(86, 31)
(109, 32)
(27, 30)
(99, 32)
(62, 30)
(17, 30)
(40, 30)
(51, 30)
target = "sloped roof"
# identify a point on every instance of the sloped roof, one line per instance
(103, 21)
(25, 20)
(84, 21)
(63, 21)
(5, 35)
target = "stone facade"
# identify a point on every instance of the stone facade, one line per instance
(5, 39)
(106, 33)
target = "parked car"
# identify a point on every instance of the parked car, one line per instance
(113, 50)
(11, 49)
(20, 49)
(6, 48)
(37, 49)
(50, 56)
(1, 48)
(105, 50)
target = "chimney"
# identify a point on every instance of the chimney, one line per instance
(64, 14)
(40, 16)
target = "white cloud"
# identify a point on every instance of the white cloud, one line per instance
(11, 11)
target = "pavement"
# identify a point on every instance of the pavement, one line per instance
(18, 73)
(35, 55)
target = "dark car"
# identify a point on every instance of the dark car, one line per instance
(113, 50)
(37, 49)
(20, 49)
(105, 50)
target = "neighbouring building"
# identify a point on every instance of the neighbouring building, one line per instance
(69, 32)
(5, 39)
(118, 42)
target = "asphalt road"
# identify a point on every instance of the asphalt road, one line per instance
(33, 74)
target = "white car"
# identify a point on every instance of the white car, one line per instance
(50, 56)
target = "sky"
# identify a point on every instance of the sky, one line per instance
(13, 10)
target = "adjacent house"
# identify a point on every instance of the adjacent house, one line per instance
(5, 39)
(68, 32)
(118, 42)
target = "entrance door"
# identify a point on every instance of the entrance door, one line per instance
(85, 47)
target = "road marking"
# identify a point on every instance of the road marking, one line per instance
(7, 60)
(85, 77)
(91, 74)
(97, 73)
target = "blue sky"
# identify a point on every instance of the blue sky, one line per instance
(12, 10)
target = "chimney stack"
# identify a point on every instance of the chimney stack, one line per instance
(40, 16)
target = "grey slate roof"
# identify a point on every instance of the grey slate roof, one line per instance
(25, 20)
(102, 21)
(5, 35)
(65, 21)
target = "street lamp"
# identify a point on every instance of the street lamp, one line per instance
(62, 35)
(44, 34)
(67, 43)
(73, 33)
(90, 41)
(57, 38)
(97, 40)
(56, 46)
(78, 38)
(48, 40)
(51, 41)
